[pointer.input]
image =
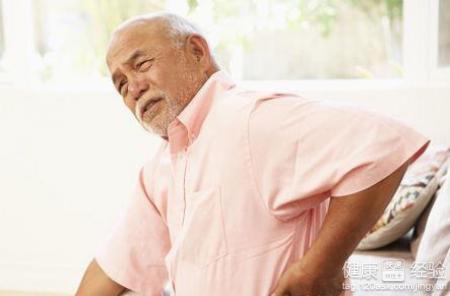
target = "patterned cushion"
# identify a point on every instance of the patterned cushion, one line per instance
(416, 189)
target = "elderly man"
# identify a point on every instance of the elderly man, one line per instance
(250, 193)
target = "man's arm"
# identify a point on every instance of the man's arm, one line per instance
(96, 282)
(348, 219)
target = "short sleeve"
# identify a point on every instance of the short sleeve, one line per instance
(306, 151)
(134, 254)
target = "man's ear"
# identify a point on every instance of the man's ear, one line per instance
(198, 49)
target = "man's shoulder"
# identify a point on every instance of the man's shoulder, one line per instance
(241, 104)
(279, 114)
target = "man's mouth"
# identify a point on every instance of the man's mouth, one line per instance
(149, 106)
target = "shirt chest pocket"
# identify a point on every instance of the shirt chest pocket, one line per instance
(204, 239)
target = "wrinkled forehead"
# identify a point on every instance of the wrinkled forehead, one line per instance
(144, 37)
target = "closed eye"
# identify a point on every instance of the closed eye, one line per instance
(144, 65)
(121, 86)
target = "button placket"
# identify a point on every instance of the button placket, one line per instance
(179, 165)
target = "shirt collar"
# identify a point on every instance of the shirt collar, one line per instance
(195, 112)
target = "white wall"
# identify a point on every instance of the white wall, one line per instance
(68, 162)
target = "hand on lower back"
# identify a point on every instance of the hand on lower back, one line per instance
(299, 281)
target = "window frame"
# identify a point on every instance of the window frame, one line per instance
(437, 72)
(19, 43)
(420, 22)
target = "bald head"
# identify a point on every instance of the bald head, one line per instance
(173, 26)
(158, 63)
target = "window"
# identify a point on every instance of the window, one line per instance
(294, 39)
(66, 40)
(319, 39)
(444, 33)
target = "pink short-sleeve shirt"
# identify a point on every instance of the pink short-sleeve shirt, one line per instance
(242, 186)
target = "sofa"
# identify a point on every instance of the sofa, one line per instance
(418, 263)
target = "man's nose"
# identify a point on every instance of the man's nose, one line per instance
(136, 88)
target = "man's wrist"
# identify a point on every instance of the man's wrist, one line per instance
(320, 265)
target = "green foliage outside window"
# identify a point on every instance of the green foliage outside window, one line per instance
(245, 28)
